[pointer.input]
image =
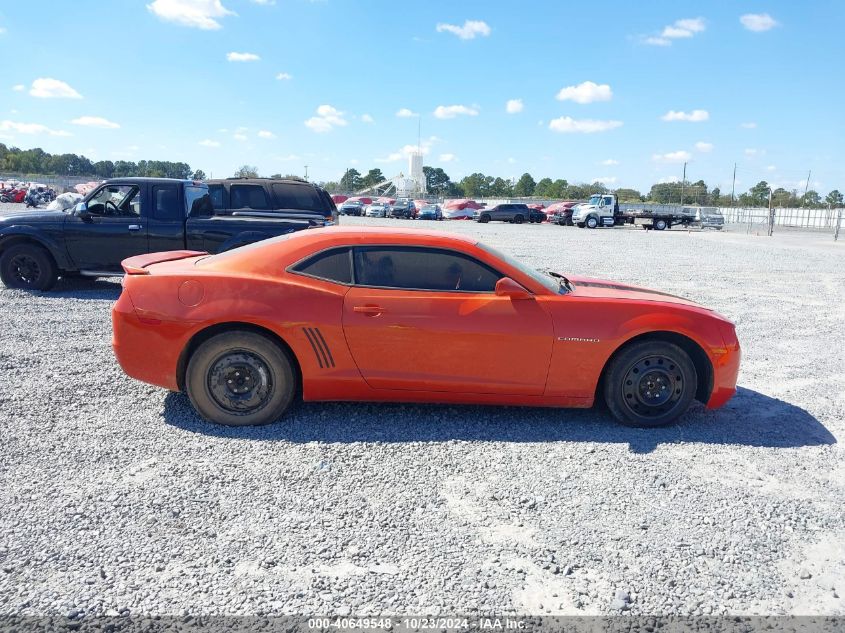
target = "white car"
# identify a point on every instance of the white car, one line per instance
(377, 210)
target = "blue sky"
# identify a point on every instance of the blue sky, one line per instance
(756, 83)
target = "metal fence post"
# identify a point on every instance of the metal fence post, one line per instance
(838, 224)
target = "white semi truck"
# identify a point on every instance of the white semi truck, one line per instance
(602, 209)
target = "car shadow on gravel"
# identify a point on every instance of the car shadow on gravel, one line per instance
(95, 288)
(749, 419)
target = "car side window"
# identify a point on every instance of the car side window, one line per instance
(217, 193)
(116, 201)
(331, 265)
(166, 203)
(248, 197)
(420, 268)
(298, 196)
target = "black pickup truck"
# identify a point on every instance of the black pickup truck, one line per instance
(121, 218)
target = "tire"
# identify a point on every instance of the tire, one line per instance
(580, 225)
(649, 384)
(592, 222)
(266, 374)
(517, 219)
(28, 267)
(660, 224)
(485, 218)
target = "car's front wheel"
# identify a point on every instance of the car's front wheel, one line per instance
(650, 383)
(240, 378)
(28, 267)
(592, 222)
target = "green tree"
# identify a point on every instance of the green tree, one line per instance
(628, 195)
(580, 191)
(104, 169)
(715, 195)
(476, 185)
(812, 199)
(559, 188)
(544, 188)
(199, 174)
(373, 177)
(351, 180)
(437, 181)
(525, 186)
(247, 171)
(834, 198)
(759, 194)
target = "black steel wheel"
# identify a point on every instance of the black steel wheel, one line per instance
(484, 219)
(240, 378)
(650, 383)
(28, 267)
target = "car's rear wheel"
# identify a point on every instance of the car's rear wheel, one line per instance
(28, 267)
(517, 219)
(240, 378)
(649, 384)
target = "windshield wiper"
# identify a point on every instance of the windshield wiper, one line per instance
(564, 282)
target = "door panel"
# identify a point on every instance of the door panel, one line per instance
(448, 341)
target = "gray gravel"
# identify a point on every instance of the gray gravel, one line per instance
(115, 497)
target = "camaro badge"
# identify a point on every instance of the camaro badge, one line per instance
(576, 339)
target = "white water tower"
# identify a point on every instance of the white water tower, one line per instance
(415, 167)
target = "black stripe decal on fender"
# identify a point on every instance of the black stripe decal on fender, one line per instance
(325, 346)
(313, 346)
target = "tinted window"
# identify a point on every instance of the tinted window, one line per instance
(217, 193)
(333, 265)
(248, 197)
(166, 203)
(298, 196)
(422, 269)
(198, 202)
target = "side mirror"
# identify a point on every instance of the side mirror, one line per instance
(81, 210)
(507, 287)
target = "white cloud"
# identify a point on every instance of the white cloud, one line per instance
(209, 143)
(47, 88)
(448, 158)
(266, 134)
(751, 151)
(199, 14)
(406, 113)
(2, 30)
(585, 92)
(468, 31)
(266, 3)
(29, 128)
(95, 121)
(758, 22)
(511, 160)
(749, 125)
(18, 87)
(450, 112)
(701, 146)
(567, 125)
(328, 117)
(239, 137)
(284, 76)
(513, 106)
(605, 180)
(681, 156)
(610, 162)
(242, 57)
(696, 116)
(366, 118)
(679, 29)
(771, 168)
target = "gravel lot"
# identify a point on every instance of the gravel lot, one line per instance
(116, 497)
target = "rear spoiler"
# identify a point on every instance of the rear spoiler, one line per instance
(137, 265)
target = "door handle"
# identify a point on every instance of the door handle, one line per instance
(369, 310)
(135, 227)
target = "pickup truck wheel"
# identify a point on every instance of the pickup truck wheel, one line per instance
(28, 267)
(592, 222)
(240, 378)
(649, 384)
(518, 219)
(660, 225)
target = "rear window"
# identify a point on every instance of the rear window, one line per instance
(332, 265)
(297, 196)
(248, 197)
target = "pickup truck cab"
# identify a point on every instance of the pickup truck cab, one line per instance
(121, 218)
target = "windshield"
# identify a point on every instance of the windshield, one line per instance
(548, 281)
(594, 200)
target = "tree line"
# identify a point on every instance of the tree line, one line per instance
(438, 182)
(37, 161)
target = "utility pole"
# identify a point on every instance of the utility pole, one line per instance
(804, 197)
(771, 214)
(683, 182)
(733, 187)
(306, 172)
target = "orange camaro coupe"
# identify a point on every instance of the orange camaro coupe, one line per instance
(363, 314)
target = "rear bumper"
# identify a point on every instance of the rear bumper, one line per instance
(145, 351)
